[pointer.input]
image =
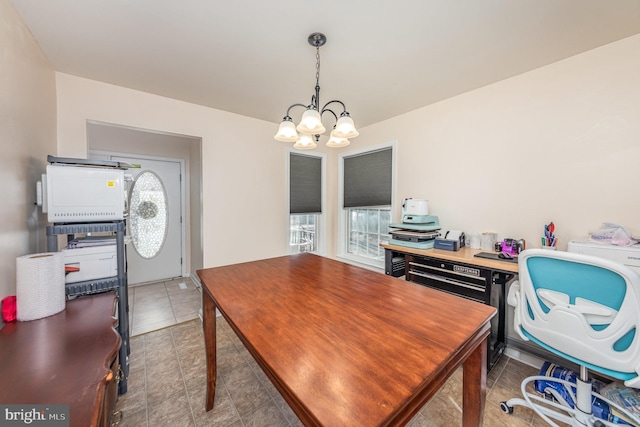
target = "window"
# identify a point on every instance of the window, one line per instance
(148, 214)
(305, 202)
(367, 228)
(367, 183)
(302, 233)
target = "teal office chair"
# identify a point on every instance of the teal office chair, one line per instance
(584, 309)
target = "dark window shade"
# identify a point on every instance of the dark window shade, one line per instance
(367, 179)
(305, 184)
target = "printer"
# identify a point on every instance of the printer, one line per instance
(625, 255)
(90, 263)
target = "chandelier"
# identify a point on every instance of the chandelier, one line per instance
(308, 131)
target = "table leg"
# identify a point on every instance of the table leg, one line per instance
(474, 386)
(209, 325)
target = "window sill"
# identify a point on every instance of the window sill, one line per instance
(358, 262)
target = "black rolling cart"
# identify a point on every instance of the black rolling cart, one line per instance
(117, 284)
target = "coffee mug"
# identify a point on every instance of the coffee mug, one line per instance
(472, 240)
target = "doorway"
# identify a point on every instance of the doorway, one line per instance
(156, 149)
(167, 262)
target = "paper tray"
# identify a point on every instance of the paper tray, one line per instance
(421, 245)
(416, 227)
(414, 236)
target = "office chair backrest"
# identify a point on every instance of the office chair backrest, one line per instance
(584, 308)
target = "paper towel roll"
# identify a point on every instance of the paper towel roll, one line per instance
(39, 285)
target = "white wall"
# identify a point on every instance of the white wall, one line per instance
(560, 143)
(27, 136)
(244, 206)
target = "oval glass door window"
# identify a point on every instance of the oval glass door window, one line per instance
(148, 214)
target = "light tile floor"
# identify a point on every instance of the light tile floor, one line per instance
(167, 381)
(158, 305)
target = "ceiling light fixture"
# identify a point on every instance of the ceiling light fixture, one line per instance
(308, 131)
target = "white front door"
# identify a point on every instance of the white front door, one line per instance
(168, 262)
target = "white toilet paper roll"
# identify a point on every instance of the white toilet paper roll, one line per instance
(39, 285)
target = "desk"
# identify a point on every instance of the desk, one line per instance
(69, 358)
(346, 346)
(461, 273)
(465, 255)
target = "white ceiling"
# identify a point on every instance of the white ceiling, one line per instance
(382, 58)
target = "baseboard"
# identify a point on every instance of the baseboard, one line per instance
(524, 357)
(196, 280)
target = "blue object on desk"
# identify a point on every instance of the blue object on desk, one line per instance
(447, 244)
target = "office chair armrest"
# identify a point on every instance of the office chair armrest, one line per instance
(586, 306)
(591, 310)
(514, 294)
(513, 300)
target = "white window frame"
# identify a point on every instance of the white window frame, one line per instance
(321, 229)
(343, 213)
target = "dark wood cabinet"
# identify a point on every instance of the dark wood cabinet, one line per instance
(69, 358)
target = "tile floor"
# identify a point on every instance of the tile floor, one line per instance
(157, 305)
(167, 387)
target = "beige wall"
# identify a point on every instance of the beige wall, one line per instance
(560, 143)
(27, 136)
(243, 173)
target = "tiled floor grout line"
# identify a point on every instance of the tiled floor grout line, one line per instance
(173, 311)
(184, 382)
(146, 402)
(226, 389)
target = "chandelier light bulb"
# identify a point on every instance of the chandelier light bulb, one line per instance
(311, 123)
(345, 128)
(305, 142)
(337, 142)
(287, 131)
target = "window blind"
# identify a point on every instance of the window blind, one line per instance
(368, 179)
(305, 184)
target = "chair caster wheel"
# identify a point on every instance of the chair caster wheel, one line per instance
(506, 408)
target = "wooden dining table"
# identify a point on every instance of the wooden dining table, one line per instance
(348, 346)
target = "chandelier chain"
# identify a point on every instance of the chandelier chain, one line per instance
(318, 66)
